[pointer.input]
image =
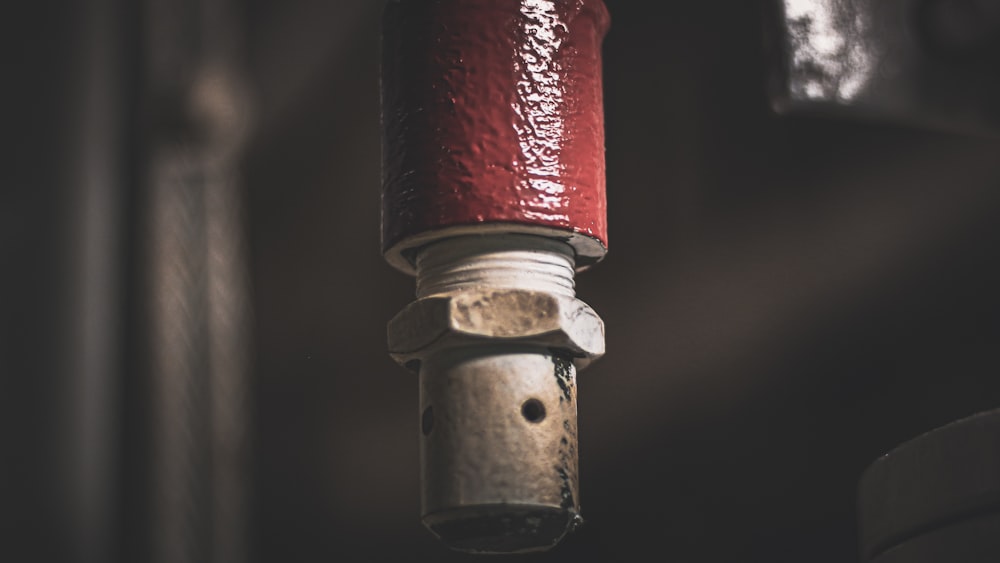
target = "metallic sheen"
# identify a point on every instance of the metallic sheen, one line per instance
(930, 63)
(492, 114)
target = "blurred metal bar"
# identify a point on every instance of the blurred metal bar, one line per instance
(180, 371)
(197, 281)
(97, 253)
(229, 321)
(935, 498)
(60, 246)
(930, 63)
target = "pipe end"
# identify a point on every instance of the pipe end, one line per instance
(503, 528)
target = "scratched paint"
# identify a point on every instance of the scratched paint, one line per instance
(492, 113)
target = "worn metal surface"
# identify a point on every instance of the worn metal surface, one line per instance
(496, 336)
(512, 316)
(499, 448)
(505, 289)
(531, 263)
(932, 482)
(930, 63)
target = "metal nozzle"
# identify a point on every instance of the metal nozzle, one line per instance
(496, 336)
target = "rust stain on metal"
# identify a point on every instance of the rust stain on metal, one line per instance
(564, 377)
(567, 468)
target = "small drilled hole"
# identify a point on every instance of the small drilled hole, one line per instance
(533, 410)
(427, 421)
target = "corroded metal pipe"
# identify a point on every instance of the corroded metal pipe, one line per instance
(493, 197)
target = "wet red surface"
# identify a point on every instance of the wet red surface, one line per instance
(493, 113)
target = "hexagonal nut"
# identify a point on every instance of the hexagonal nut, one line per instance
(496, 316)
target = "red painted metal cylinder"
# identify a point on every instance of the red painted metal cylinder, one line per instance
(493, 122)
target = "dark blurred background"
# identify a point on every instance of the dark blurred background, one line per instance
(786, 298)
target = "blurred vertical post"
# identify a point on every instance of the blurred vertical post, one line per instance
(197, 280)
(60, 246)
(96, 228)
